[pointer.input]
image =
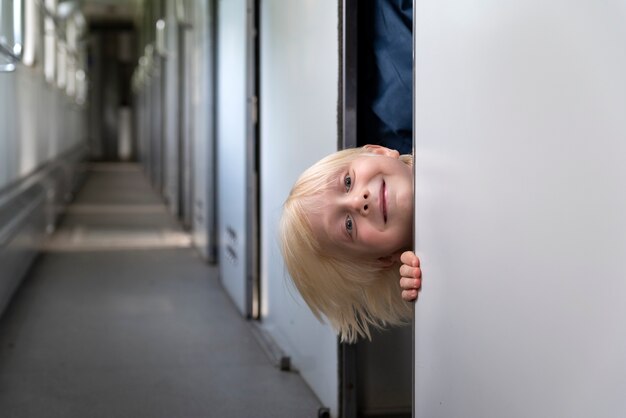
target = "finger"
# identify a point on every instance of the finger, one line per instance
(410, 284)
(409, 258)
(408, 271)
(409, 295)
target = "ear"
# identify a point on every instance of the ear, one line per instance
(380, 150)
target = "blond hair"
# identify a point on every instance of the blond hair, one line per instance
(352, 293)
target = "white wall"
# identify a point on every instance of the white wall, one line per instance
(299, 76)
(28, 141)
(520, 208)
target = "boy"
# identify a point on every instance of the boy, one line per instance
(345, 231)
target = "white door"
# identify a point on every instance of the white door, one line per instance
(201, 53)
(520, 135)
(232, 154)
(298, 126)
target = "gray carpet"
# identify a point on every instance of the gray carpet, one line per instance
(119, 317)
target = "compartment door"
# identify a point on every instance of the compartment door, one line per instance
(201, 56)
(520, 208)
(298, 82)
(236, 190)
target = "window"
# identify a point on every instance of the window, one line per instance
(49, 41)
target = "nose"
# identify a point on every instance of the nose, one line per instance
(361, 202)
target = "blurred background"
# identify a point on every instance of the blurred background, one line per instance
(146, 148)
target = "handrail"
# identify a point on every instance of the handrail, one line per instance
(9, 51)
(5, 50)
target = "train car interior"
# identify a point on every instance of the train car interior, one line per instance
(146, 148)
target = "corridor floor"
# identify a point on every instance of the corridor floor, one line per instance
(119, 317)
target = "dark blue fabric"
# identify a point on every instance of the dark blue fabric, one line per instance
(387, 85)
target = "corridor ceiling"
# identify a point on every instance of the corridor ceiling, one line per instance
(110, 10)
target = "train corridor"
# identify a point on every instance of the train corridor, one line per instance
(119, 317)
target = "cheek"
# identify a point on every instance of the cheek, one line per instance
(405, 197)
(398, 238)
(378, 243)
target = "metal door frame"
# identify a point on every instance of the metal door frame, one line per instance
(348, 87)
(185, 122)
(253, 285)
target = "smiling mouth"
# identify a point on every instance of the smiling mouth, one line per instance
(383, 201)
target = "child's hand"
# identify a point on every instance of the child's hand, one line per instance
(410, 276)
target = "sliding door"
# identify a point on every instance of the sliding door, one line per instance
(298, 126)
(520, 208)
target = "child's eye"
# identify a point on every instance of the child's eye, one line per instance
(347, 181)
(349, 224)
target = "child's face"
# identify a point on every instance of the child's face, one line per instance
(368, 211)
